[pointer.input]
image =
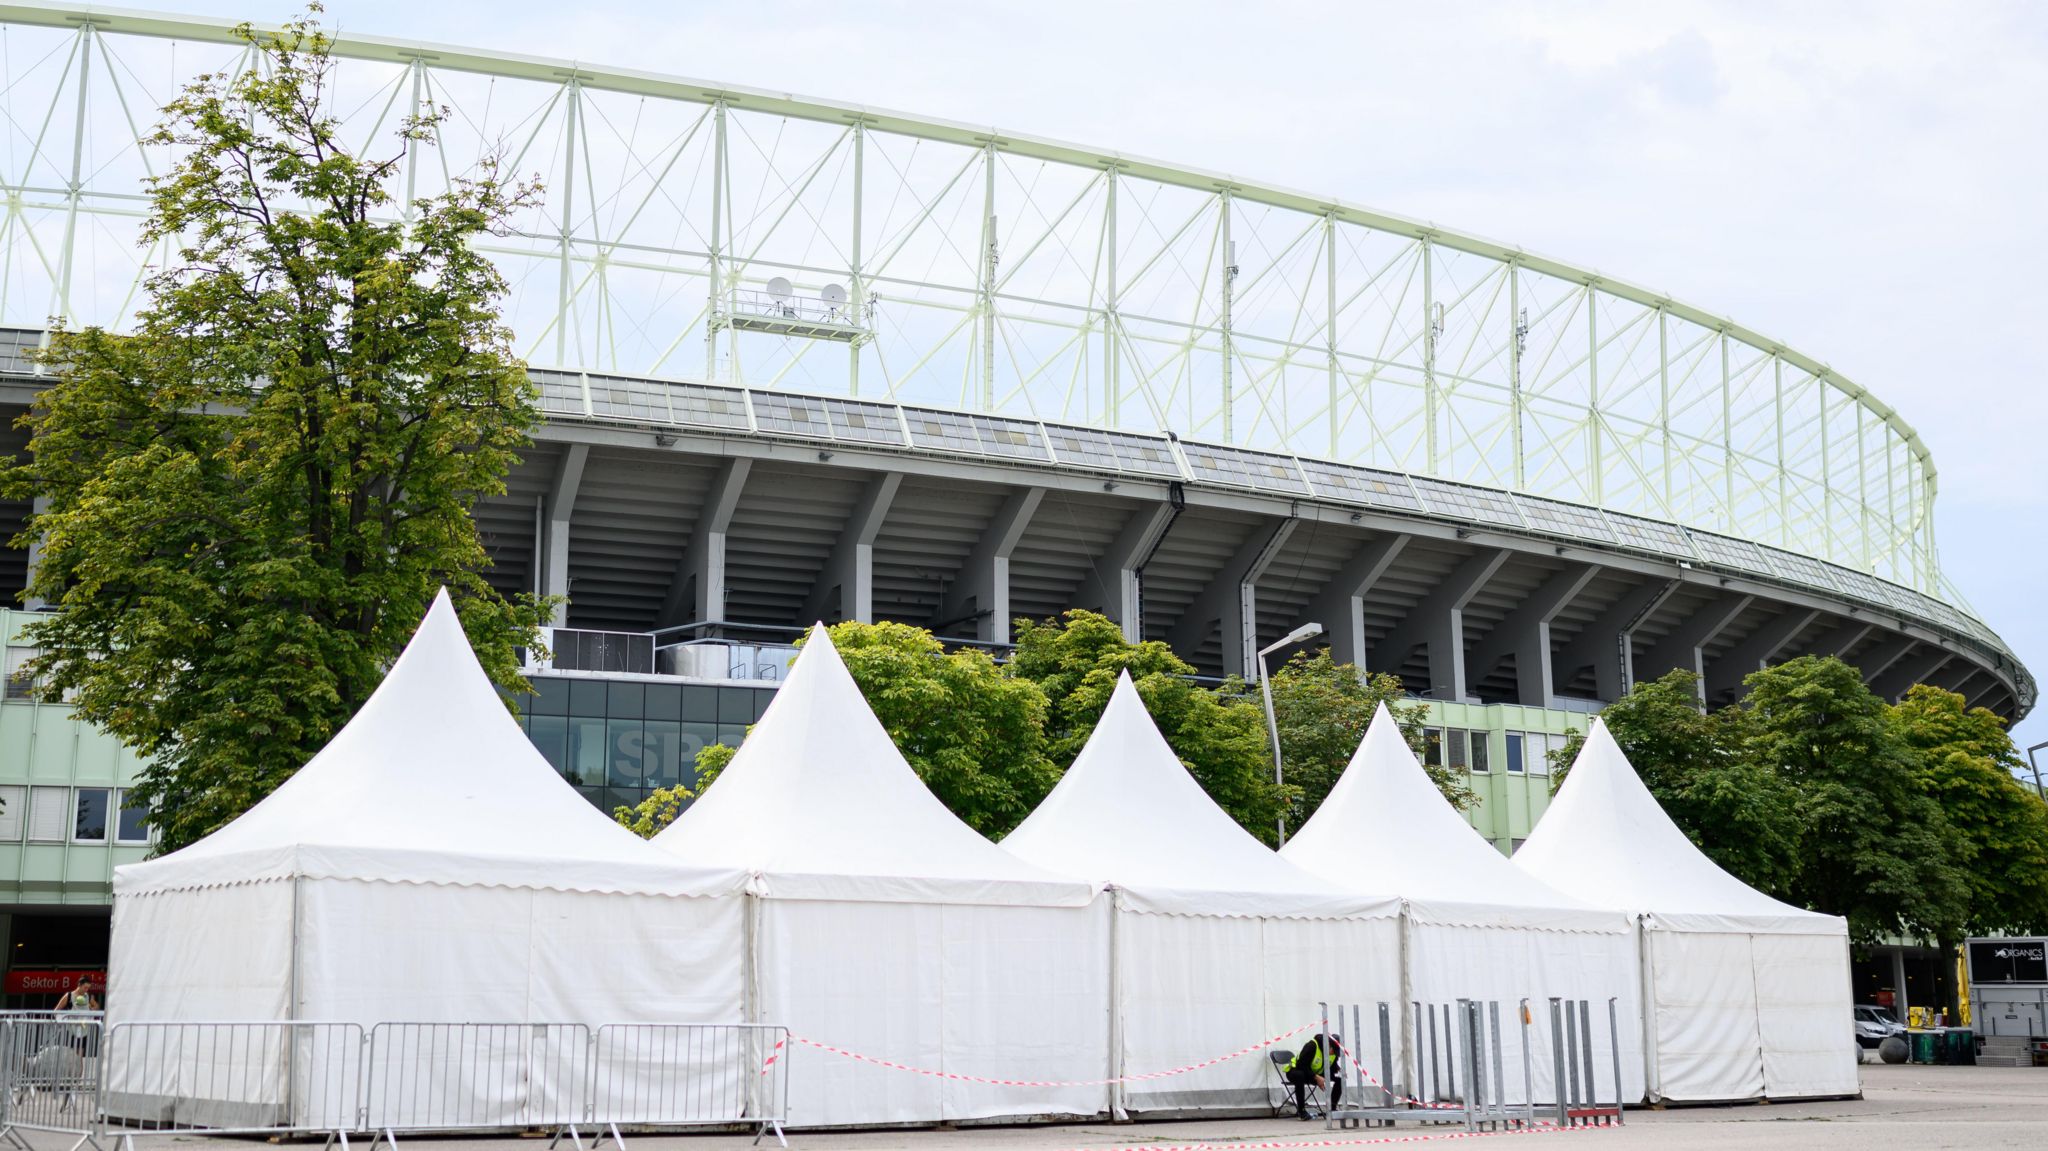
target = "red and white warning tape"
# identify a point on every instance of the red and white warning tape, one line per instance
(1291, 1144)
(956, 1076)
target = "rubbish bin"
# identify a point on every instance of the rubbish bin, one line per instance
(1962, 1046)
(1923, 1046)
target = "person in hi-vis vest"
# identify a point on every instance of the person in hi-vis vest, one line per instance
(1308, 1066)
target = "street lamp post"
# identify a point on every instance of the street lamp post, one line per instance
(2037, 769)
(1305, 632)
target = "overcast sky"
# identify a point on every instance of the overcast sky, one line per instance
(1861, 180)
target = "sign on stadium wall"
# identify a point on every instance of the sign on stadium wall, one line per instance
(49, 982)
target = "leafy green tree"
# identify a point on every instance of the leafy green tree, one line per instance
(1322, 709)
(1998, 827)
(647, 818)
(1742, 814)
(253, 498)
(1220, 735)
(974, 735)
(1875, 846)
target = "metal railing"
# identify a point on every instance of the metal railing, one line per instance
(69, 1073)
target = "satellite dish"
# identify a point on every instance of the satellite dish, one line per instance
(832, 294)
(778, 289)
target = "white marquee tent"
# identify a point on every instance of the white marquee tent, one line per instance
(888, 927)
(1476, 927)
(426, 865)
(1749, 997)
(1218, 941)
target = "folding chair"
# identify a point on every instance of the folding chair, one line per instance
(1280, 1058)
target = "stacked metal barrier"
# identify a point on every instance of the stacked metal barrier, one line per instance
(1455, 1074)
(1571, 1041)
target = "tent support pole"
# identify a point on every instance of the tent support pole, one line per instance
(1653, 1081)
(1408, 1022)
(291, 1012)
(1119, 1111)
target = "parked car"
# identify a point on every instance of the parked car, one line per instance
(1873, 1023)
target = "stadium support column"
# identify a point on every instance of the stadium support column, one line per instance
(1757, 651)
(1525, 634)
(850, 570)
(697, 593)
(1604, 644)
(561, 506)
(1439, 623)
(1112, 588)
(1882, 656)
(1917, 666)
(1839, 640)
(982, 589)
(1682, 647)
(1340, 606)
(1231, 600)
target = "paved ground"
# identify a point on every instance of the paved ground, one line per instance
(1902, 1109)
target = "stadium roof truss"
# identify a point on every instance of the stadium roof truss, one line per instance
(829, 258)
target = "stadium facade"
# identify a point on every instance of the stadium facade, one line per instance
(807, 360)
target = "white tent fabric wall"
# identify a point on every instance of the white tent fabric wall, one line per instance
(1749, 997)
(1474, 926)
(1220, 942)
(887, 927)
(427, 865)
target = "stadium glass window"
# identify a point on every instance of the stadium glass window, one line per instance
(13, 812)
(91, 807)
(132, 825)
(1513, 762)
(1454, 748)
(1432, 746)
(1482, 751)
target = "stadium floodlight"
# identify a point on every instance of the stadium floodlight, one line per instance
(1305, 632)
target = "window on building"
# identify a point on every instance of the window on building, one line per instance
(19, 684)
(13, 812)
(49, 813)
(1433, 746)
(1540, 764)
(1454, 748)
(1515, 845)
(1514, 756)
(1481, 754)
(133, 824)
(90, 810)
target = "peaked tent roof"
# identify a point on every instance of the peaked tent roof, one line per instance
(432, 781)
(1386, 827)
(819, 804)
(1127, 812)
(1606, 840)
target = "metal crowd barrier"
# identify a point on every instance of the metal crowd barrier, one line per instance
(68, 1073)
(50, 1069)
(268, 1078)
(733, 1074)
(469, 1076)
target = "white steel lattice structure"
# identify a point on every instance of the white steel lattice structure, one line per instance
(718, 235)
